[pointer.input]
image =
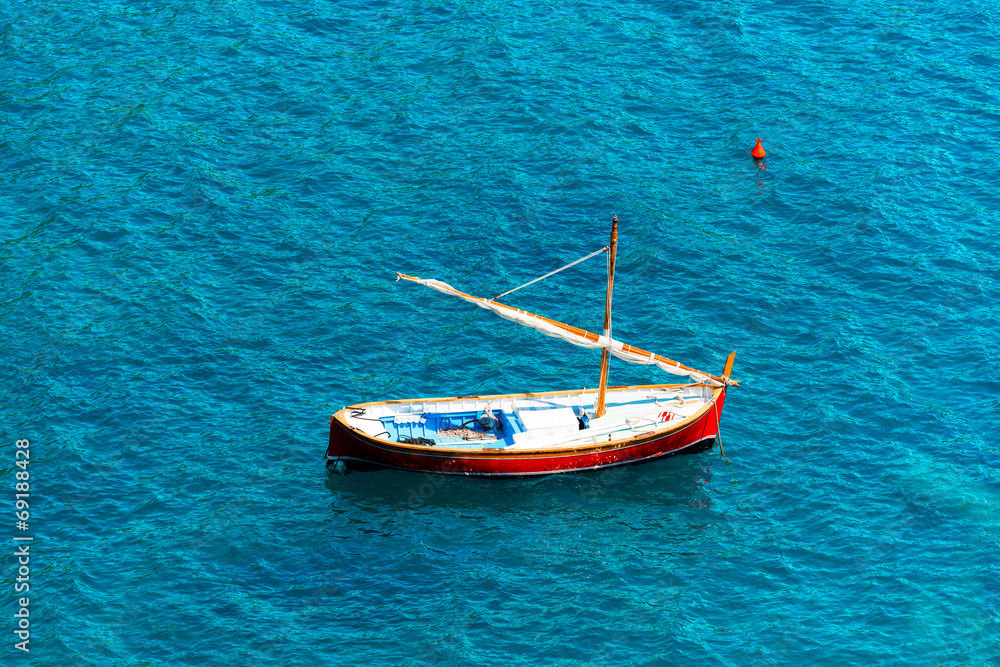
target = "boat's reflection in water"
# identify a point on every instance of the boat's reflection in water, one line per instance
(676, 481)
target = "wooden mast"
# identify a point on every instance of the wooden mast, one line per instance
(599, 407)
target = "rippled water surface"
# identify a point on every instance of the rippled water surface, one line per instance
(202, 207)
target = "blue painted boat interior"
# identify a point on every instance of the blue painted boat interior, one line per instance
(503, 425)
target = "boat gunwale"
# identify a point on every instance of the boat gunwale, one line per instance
(440, 451)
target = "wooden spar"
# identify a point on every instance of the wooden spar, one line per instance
(599, 406)
(729, 365)
(576, 331)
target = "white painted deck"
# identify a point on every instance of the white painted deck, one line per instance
(534, 422)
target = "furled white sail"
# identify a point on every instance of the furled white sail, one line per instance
(573, 335)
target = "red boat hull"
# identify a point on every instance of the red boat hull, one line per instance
(357, 450)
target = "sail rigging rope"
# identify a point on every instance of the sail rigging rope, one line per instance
(552, 273)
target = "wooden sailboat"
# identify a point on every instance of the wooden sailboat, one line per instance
(538, 433)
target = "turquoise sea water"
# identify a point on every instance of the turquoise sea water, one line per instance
(202, 206)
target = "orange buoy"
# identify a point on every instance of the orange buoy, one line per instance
(758, 151)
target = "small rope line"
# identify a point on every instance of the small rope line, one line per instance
(718, 428)
(552, 273)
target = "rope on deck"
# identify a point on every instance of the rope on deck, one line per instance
(465, 434)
